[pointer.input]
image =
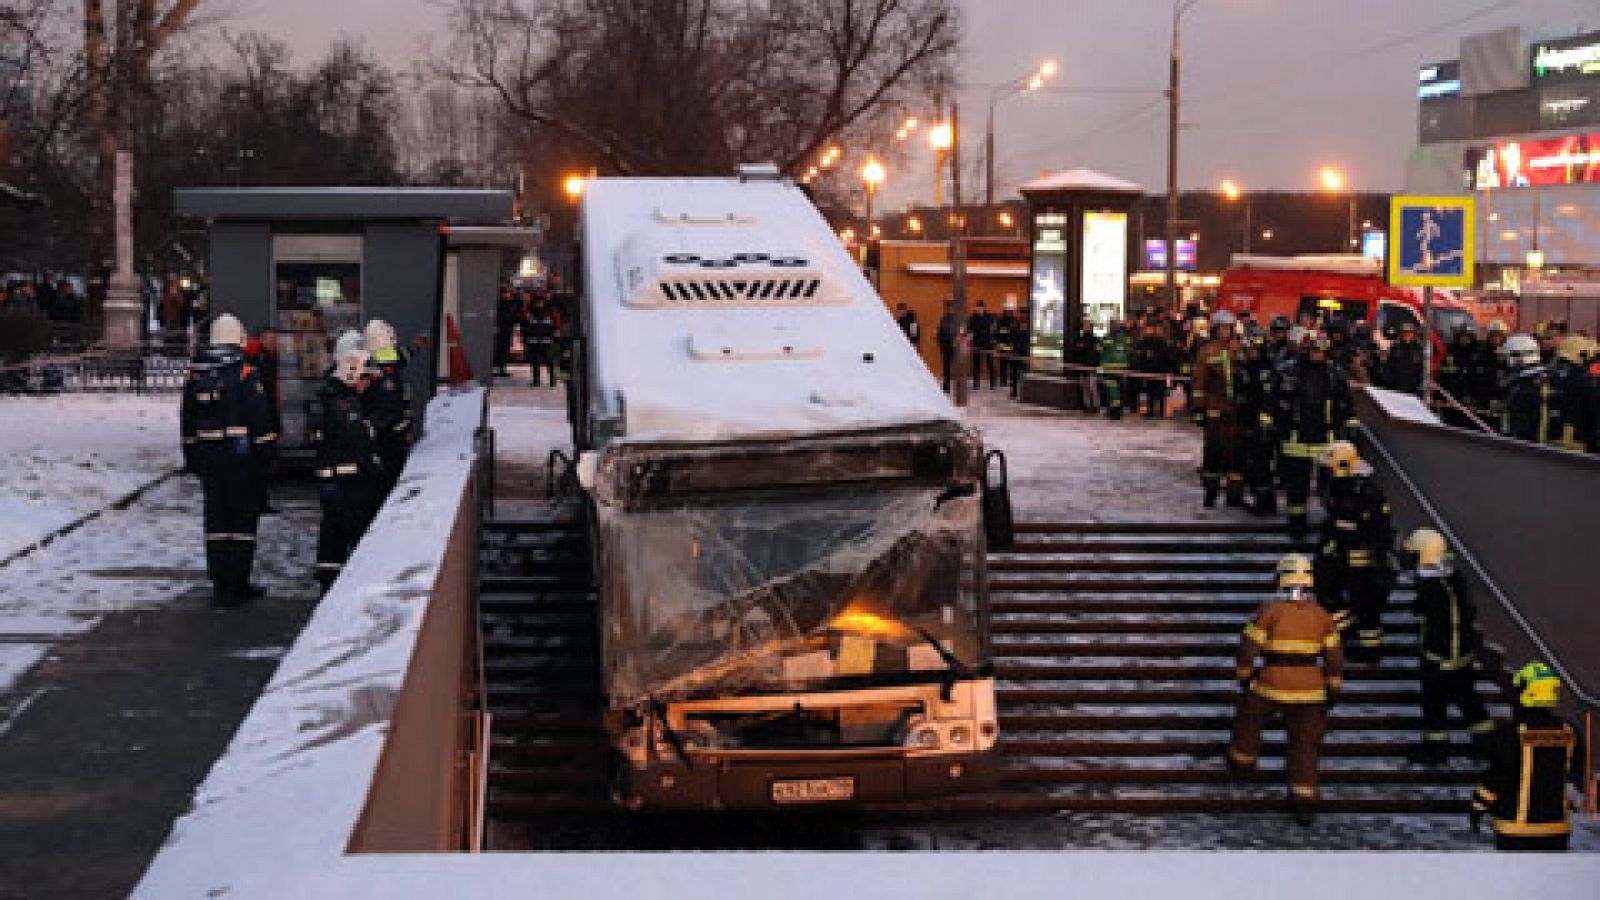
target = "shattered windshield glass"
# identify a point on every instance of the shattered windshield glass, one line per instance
(790, 592)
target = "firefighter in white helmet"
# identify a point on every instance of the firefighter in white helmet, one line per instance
(1447, 647)
(387, 401)
(348, 470)
(1525, 391)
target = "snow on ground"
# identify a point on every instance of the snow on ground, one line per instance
(62, 457)
(528, 423)
(1074, 467)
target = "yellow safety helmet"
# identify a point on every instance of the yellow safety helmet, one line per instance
(1539, 685)
(1499, 326)
(1294, 571)
(1575, 349)
(1428, 545)
(1342, 457)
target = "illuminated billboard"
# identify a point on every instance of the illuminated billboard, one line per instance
(1048, 294)
(1570, 58)
(1568, 160)
(1155, 255)
(1105, 267)
(1439, 80)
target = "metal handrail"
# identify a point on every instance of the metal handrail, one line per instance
(1457, 405)
(1461, 550)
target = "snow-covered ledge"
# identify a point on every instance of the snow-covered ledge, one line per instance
(304, 779)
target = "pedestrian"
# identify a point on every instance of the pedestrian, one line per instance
(1153, 355)
(348, 469)
(1311, 407)
(1290, 664)
(387, 402)
(1020, 351)
(980, 325)
(228, 439)
(1086, 355)
(1005, 338)
(947, 333)
(1219, 375)
(906, 318)
(1532, 759)
(539, 340)
(1447, 647)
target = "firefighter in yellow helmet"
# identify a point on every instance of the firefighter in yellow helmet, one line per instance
(1531, 760)
(1447, 646)
(1289, 664)
(1353, 571)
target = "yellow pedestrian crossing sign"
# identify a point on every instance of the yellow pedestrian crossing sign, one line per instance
(1431, 240)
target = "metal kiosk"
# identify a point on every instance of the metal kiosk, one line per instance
(309, 263)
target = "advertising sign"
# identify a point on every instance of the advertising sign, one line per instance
(1048, 293)
(1433, 241)
(1439, 80)
(1574, 159)
(1155, 255)
(1105, 267)
(1576, 57)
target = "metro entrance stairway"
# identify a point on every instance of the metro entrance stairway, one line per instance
(1114, 648)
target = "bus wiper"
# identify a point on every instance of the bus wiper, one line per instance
(673, 739)
(954, 667)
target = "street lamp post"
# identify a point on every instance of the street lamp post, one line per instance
(1032, 82)
(946, 139)
(1333, 181)
(872, 175)
(1232, 191)
(1179, 7)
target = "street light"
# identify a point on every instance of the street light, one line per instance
(573, 185)
(1233, 193)
(1333, 181)
(914, 225)
(1174, 79)
(1033, 81)
(872, 174)
(941, 138)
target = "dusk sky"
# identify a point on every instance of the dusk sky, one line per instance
(1273, 89)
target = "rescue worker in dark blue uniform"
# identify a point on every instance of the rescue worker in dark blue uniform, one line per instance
(348, 469)
(1531, 760)
(1447, 648)
(1353, 571)
(387, 402)
(1525, 392)
(1311, 408)
(228, 440)
(1260, 438)
(539, 340)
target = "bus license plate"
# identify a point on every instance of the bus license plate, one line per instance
(813, 790)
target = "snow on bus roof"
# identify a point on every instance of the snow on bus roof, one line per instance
(722, 310)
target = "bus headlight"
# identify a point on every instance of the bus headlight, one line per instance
(923, 737)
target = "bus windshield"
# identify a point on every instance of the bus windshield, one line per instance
(790, 592)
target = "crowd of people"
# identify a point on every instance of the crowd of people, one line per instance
(52, 296)
(360, 424)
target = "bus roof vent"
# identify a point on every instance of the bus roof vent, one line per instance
(730, 264)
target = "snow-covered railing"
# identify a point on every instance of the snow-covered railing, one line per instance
(357, 744)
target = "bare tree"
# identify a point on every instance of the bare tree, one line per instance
(696, 86)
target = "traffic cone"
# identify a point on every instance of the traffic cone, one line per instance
(460, 369)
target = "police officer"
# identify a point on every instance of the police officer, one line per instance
(387, 401)
(1353, 572)
(228, 438)
(348, 469)
(539, 340)
(1301, 668)
(1219, 377)
(1311, 406)
(1447, 646)
(1531, 760)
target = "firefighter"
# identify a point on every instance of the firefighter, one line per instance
(1219, 376)
(1354, 574)
(387, 401)
(539, 340)
(228, 440)
(1260, 439)
(1403, 368)
(1279, 350)
(1531, 760)
(1572, 427)
(1525, 391)
(348, 469)
(1113, 362)
(1455, 375)
(1447, 644)
(1310, 408)
(1301, 668)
